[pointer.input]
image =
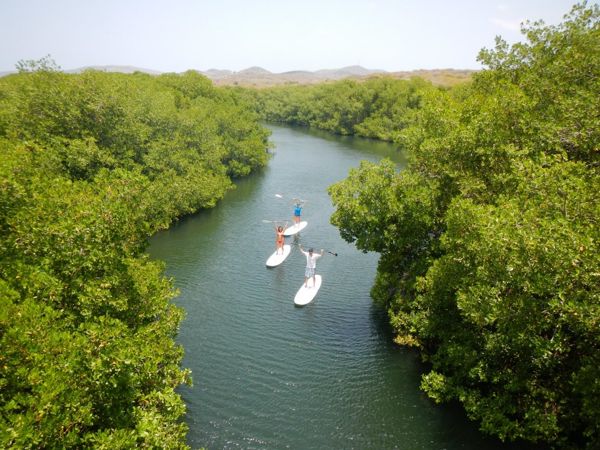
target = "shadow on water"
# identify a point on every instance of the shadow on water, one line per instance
(268, 374)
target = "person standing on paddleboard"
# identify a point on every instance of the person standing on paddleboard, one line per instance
(279, 237)
(297, 210)
(311, 264)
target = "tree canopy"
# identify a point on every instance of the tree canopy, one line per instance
(489, 239)
(377, 108)
(91, 165)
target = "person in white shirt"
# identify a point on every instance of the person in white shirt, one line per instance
(311, 264)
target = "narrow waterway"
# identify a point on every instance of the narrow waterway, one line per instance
(268, 374)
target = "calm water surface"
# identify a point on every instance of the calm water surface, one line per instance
(268, 374)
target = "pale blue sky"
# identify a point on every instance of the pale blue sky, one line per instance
(278, 35)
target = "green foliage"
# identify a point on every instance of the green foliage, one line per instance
(91, 165)
(377, 108)
(489, 240)
(521, 275)
(46, 64)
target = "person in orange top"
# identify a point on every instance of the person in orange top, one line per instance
(279, 237)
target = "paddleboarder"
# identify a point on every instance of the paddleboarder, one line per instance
(279, 237)
(298, 204)
(311, 264)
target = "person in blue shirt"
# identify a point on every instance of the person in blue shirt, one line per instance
(298, 204)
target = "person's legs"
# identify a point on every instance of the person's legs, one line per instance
(307, 274)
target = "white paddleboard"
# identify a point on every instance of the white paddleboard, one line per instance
(305, 295)
(296, 228)
(277, 257)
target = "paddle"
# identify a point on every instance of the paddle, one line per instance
(294, 200)
(331, 253)
(274, 221)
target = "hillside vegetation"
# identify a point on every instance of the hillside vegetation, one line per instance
(91, 165)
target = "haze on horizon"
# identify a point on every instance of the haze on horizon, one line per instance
(277, 35)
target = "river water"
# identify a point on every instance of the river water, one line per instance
(268, 374)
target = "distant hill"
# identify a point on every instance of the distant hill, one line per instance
(215, 74)
(259, 77)
(344, 72)
(254, 71)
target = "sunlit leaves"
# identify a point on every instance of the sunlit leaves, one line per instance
(91, 165)
(489, 240)
(377, 108)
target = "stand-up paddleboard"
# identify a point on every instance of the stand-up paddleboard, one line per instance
(296, 228)
(277, 257)
(305, 295)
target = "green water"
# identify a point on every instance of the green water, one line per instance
(268, 374)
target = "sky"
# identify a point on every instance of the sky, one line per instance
(277, 35)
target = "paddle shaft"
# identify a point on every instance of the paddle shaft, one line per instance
(331, 253)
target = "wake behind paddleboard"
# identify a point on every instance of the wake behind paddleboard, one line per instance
(277, 257)
(305, 295)
(296, 228)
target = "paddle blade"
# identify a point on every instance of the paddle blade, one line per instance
(278, 195)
